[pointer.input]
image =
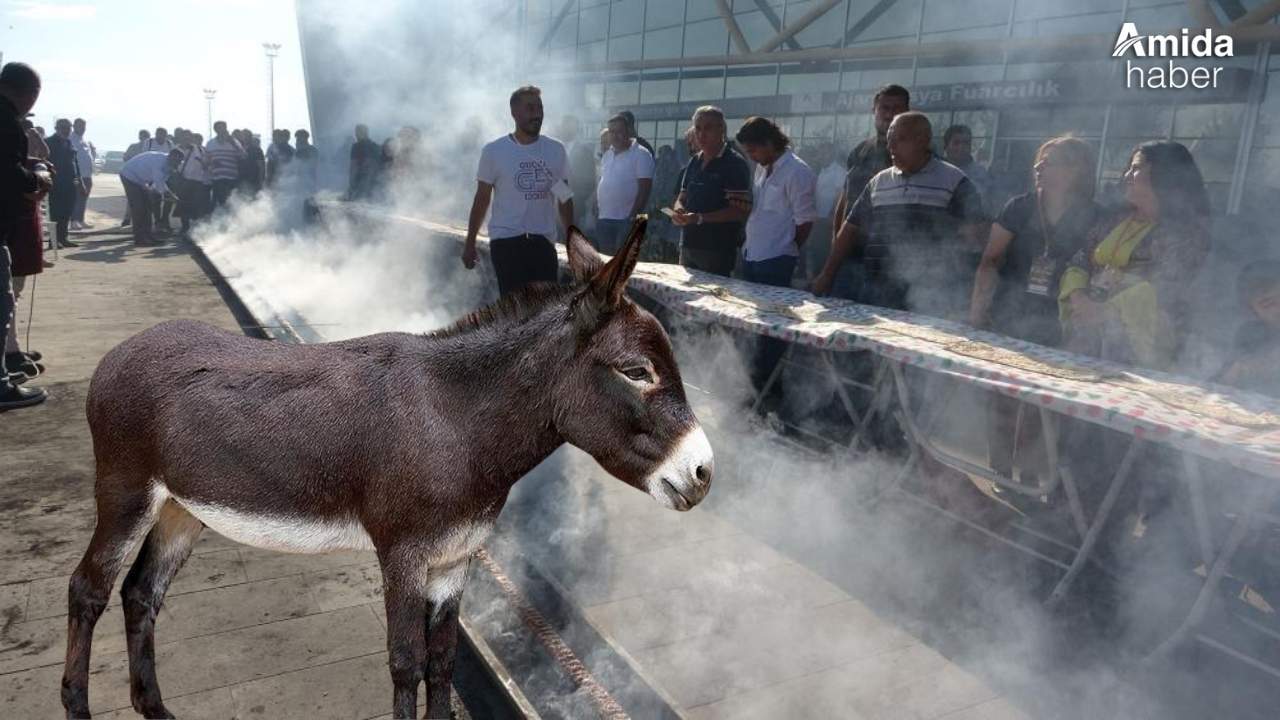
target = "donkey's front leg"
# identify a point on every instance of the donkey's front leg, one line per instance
(406, 600)
(444, 593)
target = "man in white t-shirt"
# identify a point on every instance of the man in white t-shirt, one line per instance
(525, 176)
(626, 177)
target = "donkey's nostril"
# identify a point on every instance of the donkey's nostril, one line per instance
(703, 473)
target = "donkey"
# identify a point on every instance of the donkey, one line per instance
(404, 444)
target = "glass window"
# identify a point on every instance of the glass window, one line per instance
(625, 48)
(593, 94)
(1137, 120)
(592, 53)
(755, 27)
(899, 21)
(701, 10)
(853, 129)
(646, 128)
(820, 126)
(705, 38)
(796, 83)
(622, 93)
(659, 91)
(626, 17)
(702, 88)
(1215, 158)
(826, 30)
(1077, 119)
(663, 13)
(593, 24)
(1025, 122)
(663, 43)
(752, 81)
(941, 15)
(1194, 121)
(566, 34)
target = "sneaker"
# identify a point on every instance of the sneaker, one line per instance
(86, 226)
(20, 397)
(33, 355)
(68, 244)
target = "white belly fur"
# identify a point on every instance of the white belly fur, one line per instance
(275, 532)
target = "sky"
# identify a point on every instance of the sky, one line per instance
(123, 65)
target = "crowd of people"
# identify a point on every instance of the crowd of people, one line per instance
(186, 177)
(896, 224)
(164, 176)
(899, 226)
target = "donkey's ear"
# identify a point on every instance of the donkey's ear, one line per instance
(584, 261)
(611, 281)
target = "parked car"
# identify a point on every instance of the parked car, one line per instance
(112, 161)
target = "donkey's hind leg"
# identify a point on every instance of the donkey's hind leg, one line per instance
(162, 555)
(124, 514)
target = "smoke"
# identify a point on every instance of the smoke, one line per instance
(728, 598)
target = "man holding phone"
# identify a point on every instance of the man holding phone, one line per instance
(715, 198)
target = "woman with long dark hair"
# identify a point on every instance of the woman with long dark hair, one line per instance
(1126, 297)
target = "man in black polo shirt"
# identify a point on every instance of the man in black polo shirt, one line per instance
(921, 220)
(711, 225)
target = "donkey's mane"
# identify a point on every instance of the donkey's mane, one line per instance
(516, 307)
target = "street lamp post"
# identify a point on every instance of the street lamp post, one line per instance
(208, 96)
(272, 50)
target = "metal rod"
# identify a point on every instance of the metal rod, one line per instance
(735, 32)
(1099, 520)
(1199, 509)
(1217, 571)
(801, 23)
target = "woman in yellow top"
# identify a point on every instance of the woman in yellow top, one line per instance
(1125, 298)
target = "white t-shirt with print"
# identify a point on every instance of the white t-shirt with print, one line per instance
(620, 177)
(522, 176)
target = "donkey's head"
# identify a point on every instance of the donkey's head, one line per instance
(622, 398)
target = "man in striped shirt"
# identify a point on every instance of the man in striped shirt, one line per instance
(223, 154)
(922, 224)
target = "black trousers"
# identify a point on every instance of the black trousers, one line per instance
(140, 208)
(717, 262)
(222, 190)
(524, 259)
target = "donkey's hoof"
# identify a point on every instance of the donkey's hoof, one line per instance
(156, 712)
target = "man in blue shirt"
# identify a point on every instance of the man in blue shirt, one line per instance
(711, 224)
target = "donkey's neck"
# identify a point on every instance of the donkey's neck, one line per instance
(504, 374)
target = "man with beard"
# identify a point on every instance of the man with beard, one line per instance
(525, 175)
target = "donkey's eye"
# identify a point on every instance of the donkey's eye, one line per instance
(639, 374)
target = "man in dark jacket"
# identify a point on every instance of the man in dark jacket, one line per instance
(19, 89)
(66, 181)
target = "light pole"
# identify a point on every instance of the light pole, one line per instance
(208, 96)
(272, 50)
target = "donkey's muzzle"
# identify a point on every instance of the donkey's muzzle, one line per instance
(684, 478)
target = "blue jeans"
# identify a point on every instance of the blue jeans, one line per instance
(610, 234)
(777, 272)
(6, 310)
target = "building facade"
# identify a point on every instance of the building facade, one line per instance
(1015, 71)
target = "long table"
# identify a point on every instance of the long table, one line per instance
(1208, 425)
